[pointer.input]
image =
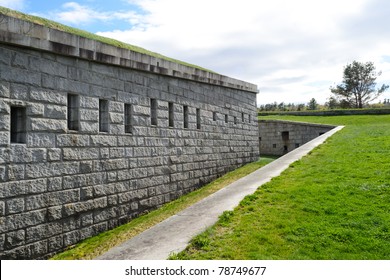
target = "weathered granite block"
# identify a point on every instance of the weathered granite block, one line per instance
(37, 250)
(4, 108)
(49, 125)
(22, 76)
(55, 243)
(14, 239)
(47, 66)
(48, 96)
(88, 102)
(104, 140)
(89, 127)
(86, 219)
(14, 206)
(55, 112)
(78, 207)
(47, 230)
(54, 213)
(41, 140)
(54, 154)
(15, 172)
(22, 220)
(80, 153)
(54, 184)
(36, 202)
(116, 118)
(36, 110)
(73, 140)
(104, 215)
(88, 115)
(4, 139)
(20, 154)
(5, 123)
(86, 167)
(71, 238)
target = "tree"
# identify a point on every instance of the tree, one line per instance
(332, 103)
(282, 106)
(313, 105)
(301, 107)
(358, 86)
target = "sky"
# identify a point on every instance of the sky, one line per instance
(292, 50)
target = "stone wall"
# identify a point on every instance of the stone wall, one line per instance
(86, 146)
(280, 137)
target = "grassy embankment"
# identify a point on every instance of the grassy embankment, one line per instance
(88, 35)
(94, 246)
(332, 204)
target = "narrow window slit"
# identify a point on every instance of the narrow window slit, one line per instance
(73, 112)
(153, 111)
(103, 115)
(18, 125)
(171, 114)
(185, 116)
(198, 119)
(128, 118)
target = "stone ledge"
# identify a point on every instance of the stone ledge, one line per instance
(298, 123)
(18, 32)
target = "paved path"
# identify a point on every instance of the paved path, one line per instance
(173, 234)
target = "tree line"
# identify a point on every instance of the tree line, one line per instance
(330, 104)
(357, 90)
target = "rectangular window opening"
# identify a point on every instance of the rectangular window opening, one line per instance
(226, 118)
(73, 112)
(198, 120)
(250, 118)
(214, 116)
(171, 114)
(128, 118)
(103, 115)
(18, 125)
(285, 135)
(185, 116)
(153, 111)
(235, 120)
(243, 117)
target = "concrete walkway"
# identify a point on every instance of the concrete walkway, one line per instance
(174, 234)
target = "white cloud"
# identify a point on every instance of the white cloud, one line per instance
(13, 4)
(77, 14)
(294, 50)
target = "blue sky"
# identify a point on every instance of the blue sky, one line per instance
(94, 16)
(293, 50)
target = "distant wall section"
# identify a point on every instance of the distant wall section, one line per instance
(280, 137)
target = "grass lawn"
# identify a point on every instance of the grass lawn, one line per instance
(95, 246)
(332, 204)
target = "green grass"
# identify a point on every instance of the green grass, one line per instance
(332, 204)
(95, 246)
(88, 35)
